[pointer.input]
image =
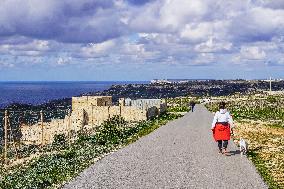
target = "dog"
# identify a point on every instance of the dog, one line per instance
(243, 146)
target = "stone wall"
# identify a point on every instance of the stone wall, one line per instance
(146, 104)
(86, 101)
(88, 112)
(98, 114)
(32, 134)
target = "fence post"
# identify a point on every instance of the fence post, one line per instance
(92, 116)
(5, 136)
(41, 121)
(108, 112)
(69, 126)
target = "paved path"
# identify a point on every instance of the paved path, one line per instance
(181, 154)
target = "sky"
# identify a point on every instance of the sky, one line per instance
(107, 40)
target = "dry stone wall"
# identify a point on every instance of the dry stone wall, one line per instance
(32, 134)
(90, 112)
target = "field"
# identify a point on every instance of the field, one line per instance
(259, 119)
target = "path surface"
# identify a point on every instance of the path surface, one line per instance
(181, 154)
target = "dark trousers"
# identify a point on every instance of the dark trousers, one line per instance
(222, 143)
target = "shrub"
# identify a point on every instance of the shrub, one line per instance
(271, 99)
(59, 140)
(179, 109)
(111, 131)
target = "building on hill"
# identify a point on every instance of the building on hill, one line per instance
(88, 112)
(160, 81)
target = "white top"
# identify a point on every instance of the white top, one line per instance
(222, 116)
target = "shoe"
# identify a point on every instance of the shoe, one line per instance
(226, 153)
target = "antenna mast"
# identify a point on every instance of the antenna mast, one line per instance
(270, 85)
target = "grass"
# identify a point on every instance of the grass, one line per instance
(51, 171)
(179, 109)
(263, 170)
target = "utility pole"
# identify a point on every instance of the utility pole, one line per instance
(92, 116)
(69, 126)
(270, 85)
(108, 111)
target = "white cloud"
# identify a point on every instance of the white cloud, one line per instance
(281, 60)
(252, 53)
(258, 24)
(64, 61)
(6, 65)
(168, 15)
(204, 59)
(213, 46)
(274, 4)
(249, 55)
(31, 48)
(95, 50)
(175, 13)
(197, 32)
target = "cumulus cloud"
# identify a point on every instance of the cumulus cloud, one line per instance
(168, 15)
(258, 24)
(6, 65)
(213, 46)
(95, 50)
(196, 32)
(64, 61)
(161, 31)
(275, 4)
(252, 53)
(67, 21)
(204, 59)
(26, 48)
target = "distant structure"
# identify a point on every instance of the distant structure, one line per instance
(160, 81)
(270, 85)
(270, 91)
(88, 112)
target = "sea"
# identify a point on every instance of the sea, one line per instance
(31, 92)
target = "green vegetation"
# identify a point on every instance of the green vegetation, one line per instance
(53, 169)
(59, 140)
(180, 104)
(265, 109)
(179, 109)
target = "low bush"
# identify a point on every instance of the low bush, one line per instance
(179, 109)
(59, 140)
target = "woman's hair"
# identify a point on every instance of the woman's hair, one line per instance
(222, 105)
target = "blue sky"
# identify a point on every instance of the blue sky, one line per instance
(141, 39)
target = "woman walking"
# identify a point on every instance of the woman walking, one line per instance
(221, 125)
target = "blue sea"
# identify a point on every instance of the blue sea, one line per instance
(41, 92)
